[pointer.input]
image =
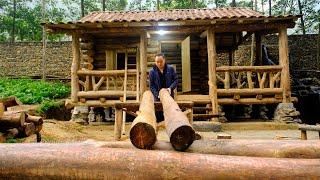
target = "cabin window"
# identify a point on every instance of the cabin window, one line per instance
(132, 61)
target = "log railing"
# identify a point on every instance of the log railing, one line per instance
(108, 83)
(248, 80)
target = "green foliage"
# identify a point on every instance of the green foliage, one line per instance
(46, 106)
(30, 91)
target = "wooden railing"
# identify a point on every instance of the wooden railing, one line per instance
(249, 80)
(109, 83)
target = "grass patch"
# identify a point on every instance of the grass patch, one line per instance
(30, 91)
(48, 105)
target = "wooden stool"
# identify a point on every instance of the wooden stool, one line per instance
(305, 128)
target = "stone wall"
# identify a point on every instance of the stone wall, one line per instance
(24, 59)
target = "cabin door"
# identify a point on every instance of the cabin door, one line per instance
(186, 69)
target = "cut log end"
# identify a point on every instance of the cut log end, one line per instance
(143, 136)
(182, 138)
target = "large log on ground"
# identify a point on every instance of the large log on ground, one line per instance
(12, 119)
(255, 148)
(178, 128)
(10, 101)
(87, 161)
(27, 129)
(143, 133)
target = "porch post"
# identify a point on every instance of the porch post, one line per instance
(258, 49)
(143, 63)
(75, 67)
(284, 62)
(212, 59)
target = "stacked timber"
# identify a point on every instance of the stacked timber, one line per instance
(87, 52)
(17, 123)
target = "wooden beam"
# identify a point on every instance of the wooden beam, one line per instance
(104, 93)
(266, 91)
(75, 67)
(178, 127)
(143, 62)
(241, 147)
(204, 34)
(284, 62)
(212, 60)
(99, 73)
(143, 132)
(93, 161)
(249, 68)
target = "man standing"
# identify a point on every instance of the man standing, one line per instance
(162, 76)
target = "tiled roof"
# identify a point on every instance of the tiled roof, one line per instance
(170, 15)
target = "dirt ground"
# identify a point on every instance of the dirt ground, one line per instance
(65, 131)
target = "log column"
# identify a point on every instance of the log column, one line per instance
(258, 49)
(75, 67)
(212, 59)
(284, 62)
(143, 62)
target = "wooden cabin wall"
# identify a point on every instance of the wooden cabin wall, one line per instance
(172, 52)
(102, 44)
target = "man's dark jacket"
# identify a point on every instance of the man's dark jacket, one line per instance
(170, 76)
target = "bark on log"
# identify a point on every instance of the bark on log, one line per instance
(12, 119)
(37, 120)
(28, 129)
(10, 101)
(178, 128)
(87, 161)
(254, 148)
(143, 133)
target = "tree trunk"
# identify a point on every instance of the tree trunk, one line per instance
(262, 6)
(269, 7)
(82, 8)
(233, 4)
(178, 128)
(158, 5)
(240, 147)
(44, 41)
(143, 132)
(11, 119)
(14, 21)
(193, 4)
(87, 161)
(302, 20)
(103, 5)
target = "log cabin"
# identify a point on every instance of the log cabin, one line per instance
(113, 52)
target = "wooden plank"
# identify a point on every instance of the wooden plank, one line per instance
(284, 62)
(75, 67)
(266, 91)
(186, 65)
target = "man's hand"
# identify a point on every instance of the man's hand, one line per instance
(169, 90)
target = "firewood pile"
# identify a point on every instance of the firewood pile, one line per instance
(17, 124)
